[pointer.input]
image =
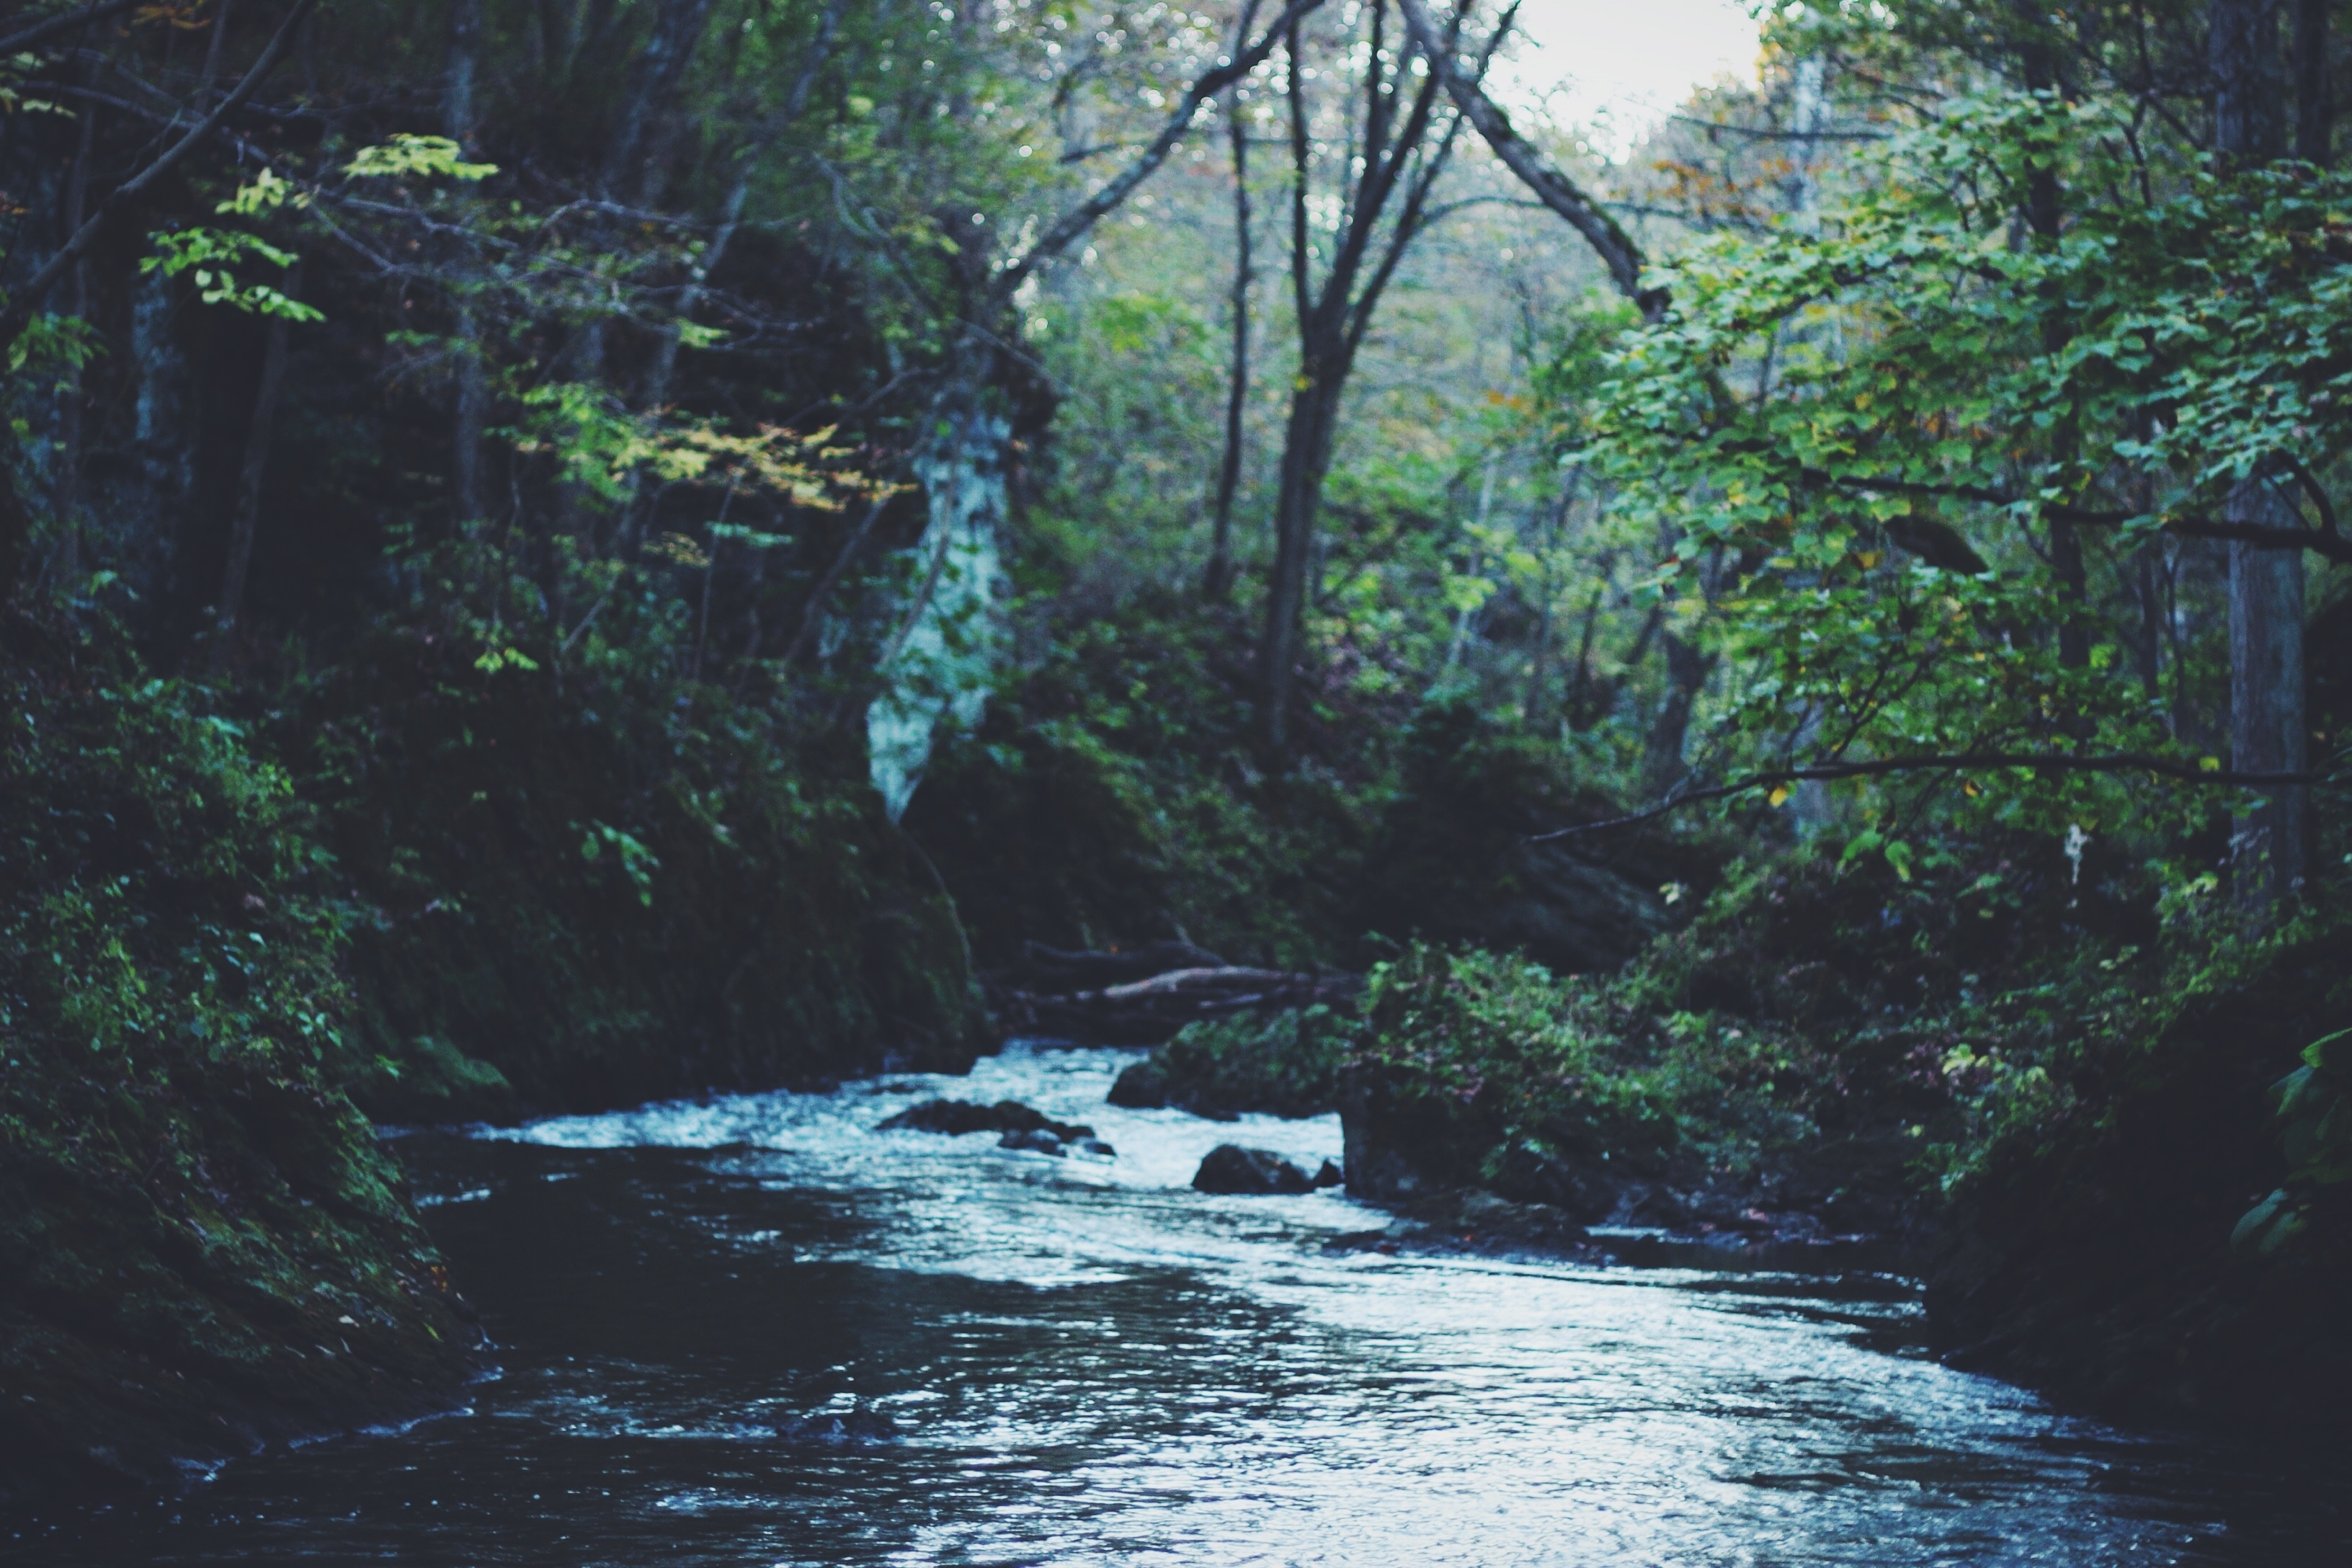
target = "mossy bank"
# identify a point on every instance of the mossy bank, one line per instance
(410, 885)
(201, 1246)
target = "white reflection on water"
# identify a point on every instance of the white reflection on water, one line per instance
(1273, 1401)
(699, 1309)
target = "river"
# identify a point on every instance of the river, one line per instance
(753, 1331)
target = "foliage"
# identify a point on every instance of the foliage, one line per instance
(607, 898)
(1284, 1063)
(1529, 1051)
(1114, 794)
(1931, 393)
(180, 1180)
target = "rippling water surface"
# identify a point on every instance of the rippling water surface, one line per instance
(1089, 1362)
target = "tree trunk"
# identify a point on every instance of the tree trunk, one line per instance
(64, 480)
(2267, 730)
(1306, 447)
(731, 217)
(1229, 471)
(458, 82)
(2045, 215)
(1332, 320)
(2243, 56)
(2315, 101)
(460, 109)
(247, 515)
(2266, 718)
(652, 80)
(1579, 683)
(1687, 667)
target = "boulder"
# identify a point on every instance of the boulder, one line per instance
(1253, 1173)
(1143, 1085)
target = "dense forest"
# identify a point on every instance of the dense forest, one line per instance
(1779, 682)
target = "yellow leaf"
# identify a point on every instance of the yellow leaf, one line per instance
(1780, 793)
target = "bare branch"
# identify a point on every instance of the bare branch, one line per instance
(20, 307)
(1087, 212)
(2325, 542)
(1557, 190)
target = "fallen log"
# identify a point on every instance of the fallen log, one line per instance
(1147, 1011)
(1059, 970)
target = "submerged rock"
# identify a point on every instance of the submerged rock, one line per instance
(840, 1429)
(1253, 1172)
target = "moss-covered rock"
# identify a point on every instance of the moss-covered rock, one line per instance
(1285, 1063)
(202, 1246)
(578, 897)
(2097, 1251)
(1460, 858)
(1484, 1069)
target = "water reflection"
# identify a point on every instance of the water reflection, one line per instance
(710, 1315)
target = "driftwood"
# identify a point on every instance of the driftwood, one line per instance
(1141, 997)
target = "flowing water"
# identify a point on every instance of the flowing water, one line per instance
(753, 1331)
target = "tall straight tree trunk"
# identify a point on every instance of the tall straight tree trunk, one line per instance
(460, 115)
(2314, 89)
(1312, 410)
(2045, 215)
(2267, 726)
(65, 484)
(2267, 733)
(246, 520)
(1229, 471)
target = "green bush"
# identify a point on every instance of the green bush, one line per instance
(1522, 1060)
(189, 1209)
(614, 888)
(1285, 1063)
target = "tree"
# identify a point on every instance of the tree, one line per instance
(2267, 730)
(1392, 151)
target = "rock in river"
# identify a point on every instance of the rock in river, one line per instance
(1024, 1128)
(1230, 1168)
(955, 1117)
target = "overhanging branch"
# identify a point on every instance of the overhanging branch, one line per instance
(41, 32)
(2323, 543)
(1952, 762)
